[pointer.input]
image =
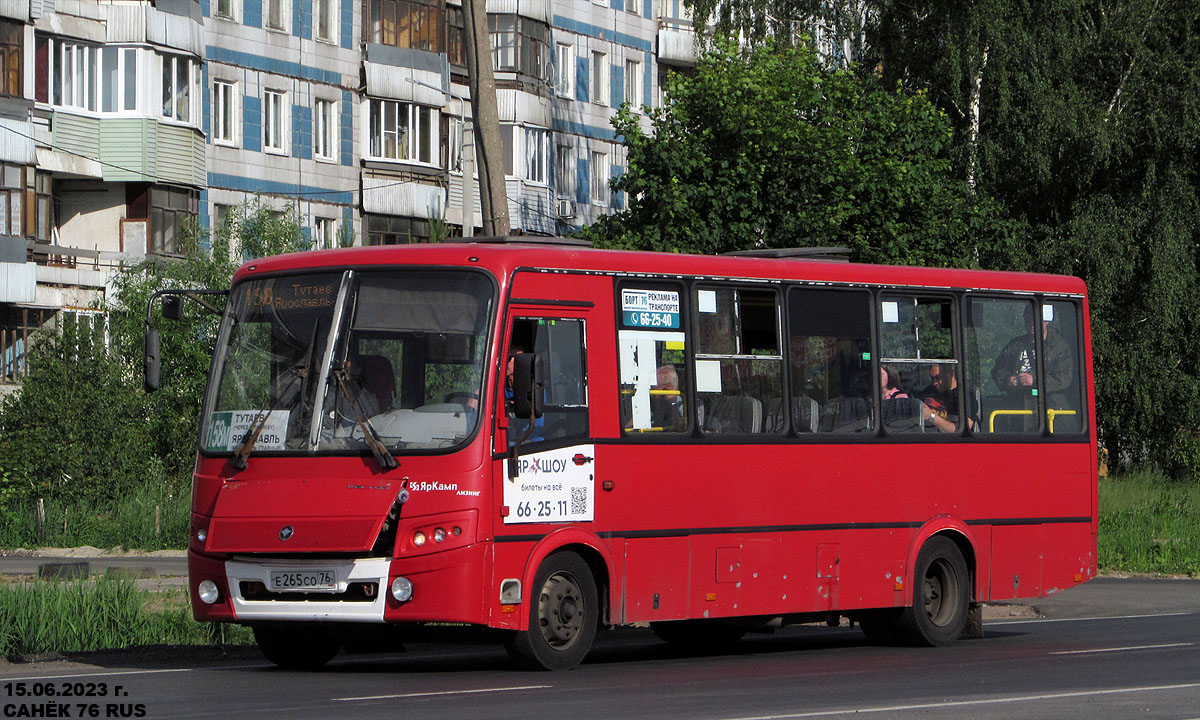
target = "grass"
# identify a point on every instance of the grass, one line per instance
(106, 613)
(148, 517)
(1149, 524)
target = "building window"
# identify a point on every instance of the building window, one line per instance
(274, 121)
(72, 71)
(456, 41)
(599, 179)
(324, 233)
(118, 73)
(39, 205)
(180, 85)
(520, 45)
(12, 50)
(395, 230)
(325, 129)
(633, 85)
(275, 14)
(600, 78)
(403, 131)
(326, 19)
(537, 155)
(631, 7)
(564, 70)
(12, 190)
(224, 113)
(415, 24)
(224, 9)
(169, 209)
(565, 171)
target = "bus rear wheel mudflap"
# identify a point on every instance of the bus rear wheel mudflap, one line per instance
(564, 613)
(296, 646)
(941, 596)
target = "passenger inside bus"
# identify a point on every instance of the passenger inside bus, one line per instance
(517, 426)
(941, 398)
(666, 403)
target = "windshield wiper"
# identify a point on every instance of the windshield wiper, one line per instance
(370, 435)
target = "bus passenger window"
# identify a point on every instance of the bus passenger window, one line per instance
(1060, 348)
(830, 350)
(739, 363)
(917, 336)
(1002, 364)
(652, 357)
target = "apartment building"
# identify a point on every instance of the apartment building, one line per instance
(121, 119)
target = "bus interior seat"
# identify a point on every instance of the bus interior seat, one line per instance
(733, 414)
(806, 414)
(846, 414)
(904, 415)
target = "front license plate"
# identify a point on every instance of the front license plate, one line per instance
(304, 580)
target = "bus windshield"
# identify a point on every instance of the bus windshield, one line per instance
(396, 356)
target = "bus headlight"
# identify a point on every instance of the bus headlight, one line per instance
(439, 535)
(208, 592)
(402, 589)
(418, 538)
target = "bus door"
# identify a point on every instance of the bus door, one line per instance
(548, 470)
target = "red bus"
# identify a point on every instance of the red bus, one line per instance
(542, 439)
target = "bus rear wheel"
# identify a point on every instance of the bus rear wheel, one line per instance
(298, 646)
(564, 612)
(941, 596)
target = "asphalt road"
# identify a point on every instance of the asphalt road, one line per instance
(1110, 649)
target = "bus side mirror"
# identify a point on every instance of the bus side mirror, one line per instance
(151, 362)
(527, 386)
(172, 307)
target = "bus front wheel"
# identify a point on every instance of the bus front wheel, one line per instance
(298, 646)
(564, 612)
(941, 596)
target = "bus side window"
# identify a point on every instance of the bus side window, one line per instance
(559, 347)
(739, 362)
(830, 350)
(1060, 348)
(1002, 365)
(917, 345)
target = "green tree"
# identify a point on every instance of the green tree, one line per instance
(1080, 119)
(765, 148)
(81, 426)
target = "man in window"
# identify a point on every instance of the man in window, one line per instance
(1015, 369)
(941, 398)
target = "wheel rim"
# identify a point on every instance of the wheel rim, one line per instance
(561, 610)
(940, 590)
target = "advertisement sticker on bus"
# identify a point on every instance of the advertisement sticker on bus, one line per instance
(552, 487)
(226, 429)
(650, 308)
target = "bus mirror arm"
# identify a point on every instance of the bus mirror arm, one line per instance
(516, 450)
(172, 309)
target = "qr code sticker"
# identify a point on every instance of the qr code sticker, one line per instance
(579, 500)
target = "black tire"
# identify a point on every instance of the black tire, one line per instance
(564, 612)
(698, 634)
(941, 596)
(297, 646)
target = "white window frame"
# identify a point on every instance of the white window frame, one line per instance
(631, 7)
(324, 233)
(600, 78)
(565, 171)
(564, 80)
(235, 10)
(283, 8)
(537, 154)
(600, 169)
(68, 86)
(225, 113)
(633, 85)
(414, 117)
(276, 121)
(325, 126)
(170, 86)
(328, 10)
(454, 144)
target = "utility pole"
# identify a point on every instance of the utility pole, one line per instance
(481, 79)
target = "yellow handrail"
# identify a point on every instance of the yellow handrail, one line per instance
(992, 417)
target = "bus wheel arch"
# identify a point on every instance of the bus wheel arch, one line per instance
(588, 548)
(563, 611)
